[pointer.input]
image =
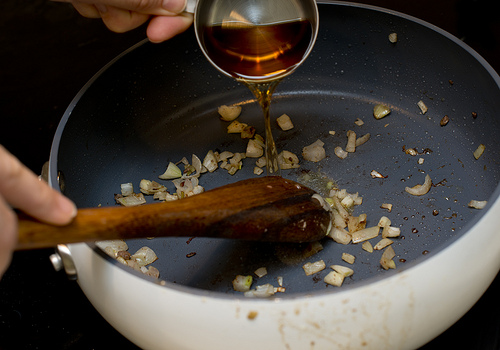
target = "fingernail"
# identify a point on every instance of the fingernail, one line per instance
(173, 6)
(101, 8)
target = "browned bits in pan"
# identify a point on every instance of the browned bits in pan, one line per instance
(474, 115)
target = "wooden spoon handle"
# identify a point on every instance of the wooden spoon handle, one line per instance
(266, 209)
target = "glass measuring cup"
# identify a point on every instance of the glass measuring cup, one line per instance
(257, 42)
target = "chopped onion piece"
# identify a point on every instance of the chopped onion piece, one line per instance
(389, 231)
(384, 242)
(236, 127)
(479, 151)
(359, 122)
(314, 267)
(340, 235)
(261, 271)
(422, 106)
(112, 247)
(284, 122)
(132, 200)
(257, 170)
(262, 291)
(339, 152)
(420, 190)
(151, 271)
(210, 162)
(172, 172)
(280, 281)
(228, 113)
(356, 223)
(376, 175)
(338, 220)
(365, 234)
(151, 187)
(351, 142)
(380, 111)
(261, 162)
(314, 152)
(144, 256)
(334, 278)
(386, 260)
(225, 156)
(248, 132)
(477, 204)
(367, 246)
(242, 283)
(288, 160)
(254, 149)
(393, 38)
(348, 258)
(384, 221)
(363, 139)
(387, 206)
(127, 189)
(343, 270)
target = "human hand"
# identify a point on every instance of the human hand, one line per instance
(166, 17)
(21, 189)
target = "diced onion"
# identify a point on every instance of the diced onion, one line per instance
(389, 231)
(387, 206)
(386, 260)
(228, 113)
(384, 242)
(380, 111)
(343, 270)
(348, 258)
(477, 204)
(254, 149)
(393, 37)
(363, 139)
(236, 127)
(339, 152)
(242, 283)
(172, 172)
(340, 235)
(314, 152)
(479, 151)
(262, 291)
(367, 246)
(334, 278)
(365, 234)
(127, 189)
(422, 106)
(210, 162)
(284, 122)
(311, 268)
(420, 190)
(144, 256)
(132, 200)
(351, 142)
(261, 271)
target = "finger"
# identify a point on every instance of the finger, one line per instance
(119, 20)
(162, 28)
(22, 189)
(8, 235)
(86, 10)
(150, 7)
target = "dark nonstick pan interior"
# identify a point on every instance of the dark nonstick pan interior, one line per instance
(158, 103)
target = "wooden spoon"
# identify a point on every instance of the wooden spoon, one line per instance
(268, 208)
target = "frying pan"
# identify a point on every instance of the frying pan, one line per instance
(158, 103)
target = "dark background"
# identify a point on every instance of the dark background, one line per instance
(47, 53)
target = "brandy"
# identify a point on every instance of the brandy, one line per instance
(257, 52)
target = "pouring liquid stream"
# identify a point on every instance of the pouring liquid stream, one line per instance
(259, 56)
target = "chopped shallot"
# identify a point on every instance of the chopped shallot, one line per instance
(386, 260)
(127, 189)
(348, 258)
(351, 142)
(365, 234)
(314, 267)
(384, 242)
(314, 152)
(261, 272)
(339, 152)
(284, 122)
(380, 111)
(242, 283)
(229, 113)
(422, 106)
(477, 204)
(343, 270)
(334, 278)
(479, 151)
(420, 190)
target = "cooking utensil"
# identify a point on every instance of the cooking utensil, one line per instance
(267, 209)
(157, 103)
